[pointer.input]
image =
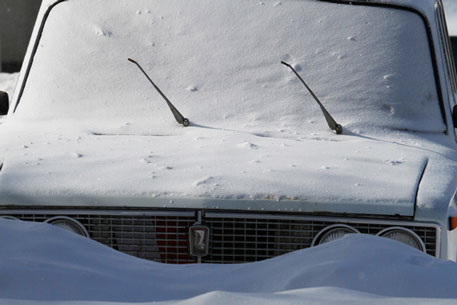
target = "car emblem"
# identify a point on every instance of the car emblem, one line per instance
(199, 240)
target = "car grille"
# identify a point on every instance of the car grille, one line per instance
(160, 237)
(237, 240)
(234, 238)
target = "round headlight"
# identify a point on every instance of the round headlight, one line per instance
(68, 224)
(332, 232)
(403, 235)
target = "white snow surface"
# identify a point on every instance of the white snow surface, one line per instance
(255, 134)
(8, 83)
(236, 166)
(229, 53)
(43, 264)
(450, 7)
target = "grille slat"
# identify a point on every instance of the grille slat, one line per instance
(244, 238)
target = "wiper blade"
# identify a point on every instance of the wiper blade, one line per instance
(178, 116)
(332, 124)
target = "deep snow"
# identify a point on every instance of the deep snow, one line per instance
(52, 266)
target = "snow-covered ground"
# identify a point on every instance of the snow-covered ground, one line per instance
(52, 266)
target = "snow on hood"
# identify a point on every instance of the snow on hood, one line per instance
(40, 262)
(338, 173)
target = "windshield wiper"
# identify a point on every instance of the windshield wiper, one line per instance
(178, 116)
(332, 124)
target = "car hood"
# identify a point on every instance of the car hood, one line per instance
(207, 168)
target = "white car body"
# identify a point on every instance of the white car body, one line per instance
(74, 143)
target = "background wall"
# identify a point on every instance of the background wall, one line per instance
(17, 18)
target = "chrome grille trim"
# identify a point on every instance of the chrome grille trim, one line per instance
(162, 235)
(240, 237)
(78, 211)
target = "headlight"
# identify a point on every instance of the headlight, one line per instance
(331, 233)
(403, 235)
(68, 224)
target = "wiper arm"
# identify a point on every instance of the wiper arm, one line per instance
(178, 116)
(332, 124)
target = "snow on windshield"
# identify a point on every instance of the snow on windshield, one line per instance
(219, 62)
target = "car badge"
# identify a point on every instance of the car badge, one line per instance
(199, 240)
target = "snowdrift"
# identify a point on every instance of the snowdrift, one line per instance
(43, 263)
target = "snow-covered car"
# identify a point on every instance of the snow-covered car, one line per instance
(198, 130)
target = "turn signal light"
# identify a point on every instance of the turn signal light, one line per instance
(453, 222)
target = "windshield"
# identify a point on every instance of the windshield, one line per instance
(219, 62)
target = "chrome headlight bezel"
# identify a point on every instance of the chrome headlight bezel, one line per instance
(317, 240)
(406, 233)
(69, 224)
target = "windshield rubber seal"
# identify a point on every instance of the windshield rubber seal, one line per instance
(34, 50)
(347, 2)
